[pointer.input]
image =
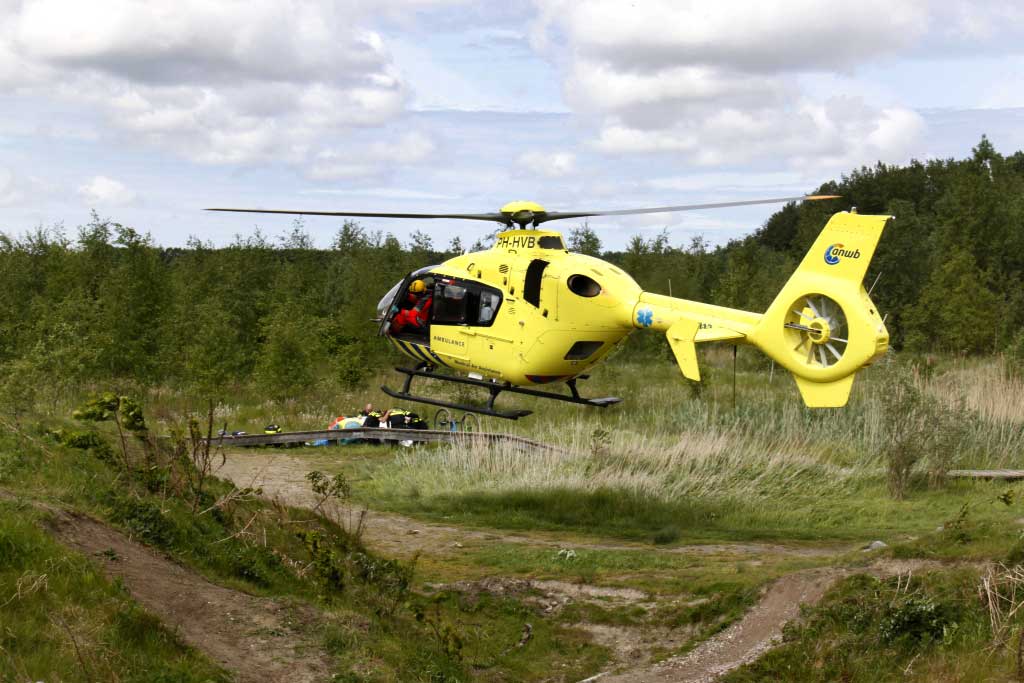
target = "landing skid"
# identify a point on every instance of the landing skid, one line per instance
(494, 388)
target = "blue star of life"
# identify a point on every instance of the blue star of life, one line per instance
(645, 317)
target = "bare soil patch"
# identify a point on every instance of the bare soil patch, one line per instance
(257, 639)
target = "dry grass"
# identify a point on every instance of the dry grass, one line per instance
(770, 455)
(986, 387)
(705, 463)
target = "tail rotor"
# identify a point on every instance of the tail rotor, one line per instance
(816, 327)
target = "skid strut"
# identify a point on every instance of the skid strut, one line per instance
(494, 389)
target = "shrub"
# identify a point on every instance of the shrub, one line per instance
(143, 518)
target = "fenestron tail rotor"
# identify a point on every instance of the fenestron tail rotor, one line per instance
(816, 330)
(524, 214)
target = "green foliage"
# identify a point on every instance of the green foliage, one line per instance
(144, 518)
(99, 409)
(62, 620)
(447, 638)
(280, 314)
(285, 365)
(583, 240)
(79, 439)
(340, 561)
(326, 487)
(1015, 356)
(917, 427)
(958, 310)
(868, 629)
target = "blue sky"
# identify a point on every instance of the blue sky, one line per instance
(147, 112)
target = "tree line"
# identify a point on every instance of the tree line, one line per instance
(109, 303)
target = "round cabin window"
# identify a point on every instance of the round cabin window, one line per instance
(582, 285)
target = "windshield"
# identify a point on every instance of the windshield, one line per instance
(385, 302)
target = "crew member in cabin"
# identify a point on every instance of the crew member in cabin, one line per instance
(413, 317)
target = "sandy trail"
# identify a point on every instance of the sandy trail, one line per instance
(257, 639)
(744, 641)
(760, 629)
(282, 476)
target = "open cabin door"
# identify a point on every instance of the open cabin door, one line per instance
(392, 302)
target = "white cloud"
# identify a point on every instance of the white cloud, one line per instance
(214, 81)
(104, 191)
(10, 191)
(720, 84)
(547, 164)
(370, 161)
(746, 35)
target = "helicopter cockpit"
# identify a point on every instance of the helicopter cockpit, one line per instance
(451, 301)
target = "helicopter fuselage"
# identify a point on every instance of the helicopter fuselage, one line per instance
(553, 315)
(527, 311)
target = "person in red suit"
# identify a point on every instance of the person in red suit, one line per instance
(417, 311)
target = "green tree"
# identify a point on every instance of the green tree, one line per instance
(958, 311)
(583, 240)
(287, 358)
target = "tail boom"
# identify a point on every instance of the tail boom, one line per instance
(822, 327)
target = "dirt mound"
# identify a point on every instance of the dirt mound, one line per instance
(258, 639)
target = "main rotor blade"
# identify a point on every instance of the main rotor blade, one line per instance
(559, 215)
(535, 217)
(501, 218)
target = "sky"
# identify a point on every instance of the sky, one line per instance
(148, 111)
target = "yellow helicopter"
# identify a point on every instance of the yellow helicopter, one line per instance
(528, 312)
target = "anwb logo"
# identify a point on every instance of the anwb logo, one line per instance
(835, 251)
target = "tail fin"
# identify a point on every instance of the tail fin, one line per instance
(823, 326)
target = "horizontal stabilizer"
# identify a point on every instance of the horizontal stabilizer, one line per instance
(681, 336)
(825, 394)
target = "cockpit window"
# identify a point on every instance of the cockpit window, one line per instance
(550, 242)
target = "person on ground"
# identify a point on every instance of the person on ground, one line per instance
(371, 416)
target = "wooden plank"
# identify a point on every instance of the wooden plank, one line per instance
(378, 434)
(1008, 475)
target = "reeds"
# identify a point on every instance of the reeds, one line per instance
(666, 445)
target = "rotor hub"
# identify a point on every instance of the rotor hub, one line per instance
(522, 213)
(820, 331)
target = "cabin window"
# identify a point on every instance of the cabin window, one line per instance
(489, 302)
(534, 276)
(449, 304)
(457, 302)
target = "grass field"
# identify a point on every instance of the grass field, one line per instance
(678, 466)
(675, 464)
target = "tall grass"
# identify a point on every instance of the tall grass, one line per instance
(699, 462)
(768, 456)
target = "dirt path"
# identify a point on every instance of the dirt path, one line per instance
(257, 639)
(744, 641)
(760, 629)
(283, 476)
